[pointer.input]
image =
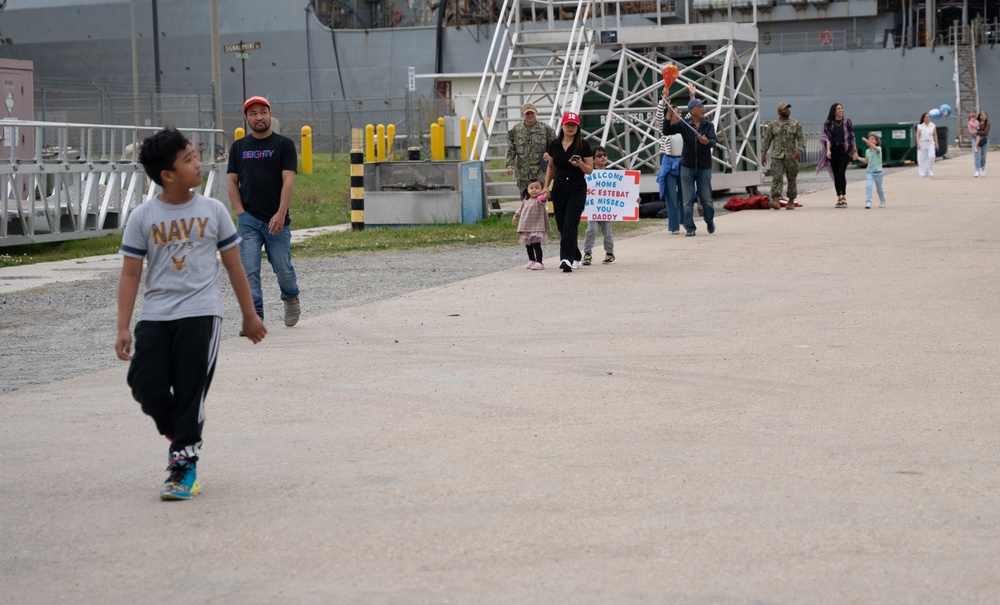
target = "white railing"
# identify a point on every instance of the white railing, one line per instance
(61, 181)
(576, 61)
(489, 114)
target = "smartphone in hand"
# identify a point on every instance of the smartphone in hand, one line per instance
(575, 157)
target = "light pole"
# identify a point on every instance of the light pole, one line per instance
(156, 60)
(216, 64)
(135, 68)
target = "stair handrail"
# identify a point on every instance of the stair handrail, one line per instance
(484, 113)
(579, 37)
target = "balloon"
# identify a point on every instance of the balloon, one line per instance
(670, 74)
(946, 110)
(934, 113)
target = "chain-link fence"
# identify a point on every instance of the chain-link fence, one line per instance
(331, 121)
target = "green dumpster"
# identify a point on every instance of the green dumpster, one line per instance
(899, 141)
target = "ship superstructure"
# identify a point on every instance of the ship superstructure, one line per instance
(345, 63)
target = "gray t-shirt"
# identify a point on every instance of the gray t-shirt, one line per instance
(179, 243)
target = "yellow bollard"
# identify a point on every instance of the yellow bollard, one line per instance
(239, 133)
(464, 145)
(370, 143)
(380, 143)
(390, 141)
(435, 134)
(307, 150)
(472, 141)
(440, 141)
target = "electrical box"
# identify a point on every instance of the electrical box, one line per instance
(17, 102)
(452, 132)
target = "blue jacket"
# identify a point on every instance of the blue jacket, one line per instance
(695, 155)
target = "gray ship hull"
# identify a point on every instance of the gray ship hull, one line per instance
(88, 44)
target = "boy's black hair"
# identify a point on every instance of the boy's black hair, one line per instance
(524, 193)
(599, 148)
(159, 151)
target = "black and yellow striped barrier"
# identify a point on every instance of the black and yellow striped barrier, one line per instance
(357, 190)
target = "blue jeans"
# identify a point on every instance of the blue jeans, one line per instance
(697, 182)
(669, 186)
(874, 178)
(979, 154)
(254, 234)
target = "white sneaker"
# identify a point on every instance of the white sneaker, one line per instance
(977, 173)
(982, 172)
(576, 264)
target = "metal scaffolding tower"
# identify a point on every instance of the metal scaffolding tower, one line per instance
(603, 61)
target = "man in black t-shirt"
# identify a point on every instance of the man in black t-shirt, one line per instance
(261, 178)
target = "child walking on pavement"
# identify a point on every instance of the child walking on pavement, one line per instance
(179, 233)
(873, 159)
(532, 220)
(590, 237)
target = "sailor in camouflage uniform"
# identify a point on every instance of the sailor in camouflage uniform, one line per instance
(526, 143)
(789, 140)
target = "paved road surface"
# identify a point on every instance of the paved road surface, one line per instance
(800, 408)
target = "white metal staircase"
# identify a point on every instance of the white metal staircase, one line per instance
(536, 61)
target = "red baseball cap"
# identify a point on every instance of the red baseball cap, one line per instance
(570, 118)
(254, 101)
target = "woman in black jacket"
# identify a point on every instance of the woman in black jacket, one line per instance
(570, 161)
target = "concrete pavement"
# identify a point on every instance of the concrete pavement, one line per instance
(797, 409)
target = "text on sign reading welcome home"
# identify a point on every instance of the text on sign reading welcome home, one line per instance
(612, 195)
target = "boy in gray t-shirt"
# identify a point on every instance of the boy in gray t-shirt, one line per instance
(179, 233)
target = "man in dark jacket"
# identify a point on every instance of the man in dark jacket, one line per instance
(696, 160)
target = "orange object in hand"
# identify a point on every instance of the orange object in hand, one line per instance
(670, 74)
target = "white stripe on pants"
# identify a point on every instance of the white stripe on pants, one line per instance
(925, 157)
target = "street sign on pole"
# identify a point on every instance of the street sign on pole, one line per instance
(242, 46)
(240, 50)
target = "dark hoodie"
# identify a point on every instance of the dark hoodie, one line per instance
(695, 155)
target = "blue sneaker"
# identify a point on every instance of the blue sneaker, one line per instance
(182, 483)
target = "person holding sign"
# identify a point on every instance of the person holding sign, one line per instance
(590, 237)
(571, 162)
(696, 160)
